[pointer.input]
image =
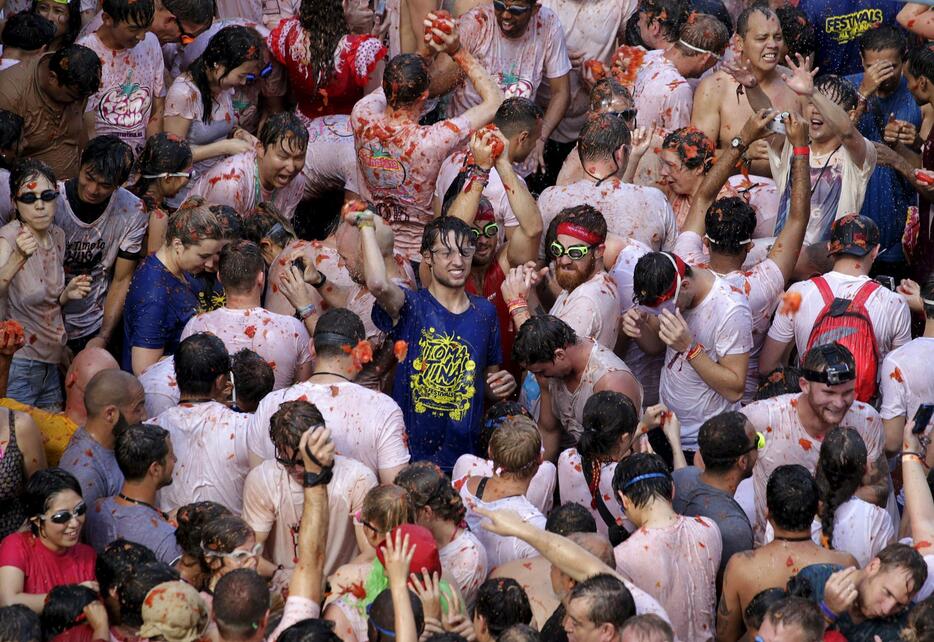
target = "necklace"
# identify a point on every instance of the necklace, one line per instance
(335, 374)
(198, 400)
(140, 502)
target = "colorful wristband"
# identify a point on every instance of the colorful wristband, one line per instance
(802, 151)
(694, 351)
(828, 614)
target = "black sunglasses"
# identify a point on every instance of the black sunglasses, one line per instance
(65, 516)
(516, 10)
(263, 73)
(31, 197)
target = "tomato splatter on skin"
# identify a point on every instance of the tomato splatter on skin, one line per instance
(790, 561)
(897, 375)
(923, 544)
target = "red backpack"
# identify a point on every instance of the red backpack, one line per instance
(847, 322)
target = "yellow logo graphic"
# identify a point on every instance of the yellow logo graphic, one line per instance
(443, 382)
(843, 29)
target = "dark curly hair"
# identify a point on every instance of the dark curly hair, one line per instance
(325, 23)
(840, 470)
(430, 488)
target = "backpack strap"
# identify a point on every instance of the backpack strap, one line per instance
(865, 291)
(824, 289)
(602, 508)
(481, 487)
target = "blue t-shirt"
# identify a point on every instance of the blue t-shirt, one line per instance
(888, 629)
(107, 520)
(888, 194)
(440, 384)
(839, 24)
(157, 308)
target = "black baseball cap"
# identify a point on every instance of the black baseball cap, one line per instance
(853, 234)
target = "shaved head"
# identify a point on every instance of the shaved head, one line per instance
(111, 387)
(88, 363)
(597, 545)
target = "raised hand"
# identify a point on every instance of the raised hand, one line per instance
(801, 80)
(757, 126)
(740, 72)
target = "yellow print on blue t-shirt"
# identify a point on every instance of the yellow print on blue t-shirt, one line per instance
(443, 381)
(851, 26)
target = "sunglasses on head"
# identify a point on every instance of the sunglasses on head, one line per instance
(574, 252)
(238, 555)
(489, 231)
(65, 516)
(31, 197)
(757, 444)
(358, 519)
(516, 10)
(263, 73)
(626, 114)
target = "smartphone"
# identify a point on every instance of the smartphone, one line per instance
(300, 264)
(923, 418)
(778, 123)
(887, 281)
(379, 7)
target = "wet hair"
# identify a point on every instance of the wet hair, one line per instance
(815, 360)
(921, 62)
(632, 35)
(27, 169)
(239, 264)
(222, 535)
(117, 562)
(405, 79)
(191, 519)
(27, 31)
(42, 488)
(781, 381)
(63, 606)
(199, 360)
(759, 604)
(139, 446)
(649, 626)
(382, 614)
(164, 153)
(502, 602)
(285, 128)
(516, 447)
(258, 224)
(907, 558)
(539, 338)
(882, 38)
(840, 470)
(608, 600)
(601, 136)
(445, 637)
(241, 600)
(584, 215)
(605, 91)
(742, 22)
(193, 223)
(641, 492)
(290, 422)
(108, 158)
(325, 23)
(494, 418)
(654, 274)
(253, 377)
(11, 129)
(693, 147)
(722, 441)
(608, 415)
(77, 68)
(310, 630)
(388, 506)
(230, 221)
(704, 32)
(838, 89)
(72, 28)
(440, 228)
(791, 497)
(230, 47)
(430, 488)
(797, 31)
(801, 613)
(134, 589)
(920, 625)
(671, 15)
(516, 115)
(519, 633)
(335, 325)
(137, 13)
(730, 223)
(199, 12)
(19, 623)
(570, 518)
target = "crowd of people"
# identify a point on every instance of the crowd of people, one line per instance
(466, 320)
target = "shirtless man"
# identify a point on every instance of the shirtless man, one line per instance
(718, 109)
(791, 497)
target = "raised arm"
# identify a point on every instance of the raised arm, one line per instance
(917, 18)
(398, 554)
(467, 202)
(389, 295)
(787, 247)
(919, 505)
(525, 239)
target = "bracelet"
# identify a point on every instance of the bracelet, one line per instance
(519, 300)
(801, 151)
(305, 311)
(828, 614)
(694, 351)
(911, 453)
(319, 284)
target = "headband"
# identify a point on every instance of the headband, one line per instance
(698, 49)
(639, 478)
(716, 242)
(579, 232)
(485, 212)
(332, 338)
(679, 274)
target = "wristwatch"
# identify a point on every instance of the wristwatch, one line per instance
(310, 480)
(321, 281)
(737, 143)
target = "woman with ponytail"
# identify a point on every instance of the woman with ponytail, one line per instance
(164, 169)
(846, 522)
(585, 473)
(440, 509)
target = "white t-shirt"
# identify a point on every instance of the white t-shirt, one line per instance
(499, 549)
(888, 311)
(209, 441)
(541, 489)
(365, 425)
(273, 502)
(296, 609)
(281, 341)
(905, 379)
(330, 161)
(158, 380)
(573, 488)
(661, 93)
(723, 324)
(465, 560)
(591, 309)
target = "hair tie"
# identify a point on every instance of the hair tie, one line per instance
(639, 478)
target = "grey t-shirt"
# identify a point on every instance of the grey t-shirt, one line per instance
(94, 466)
(693, 497)
(108, 520)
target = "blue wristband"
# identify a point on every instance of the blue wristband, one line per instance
(830, 615)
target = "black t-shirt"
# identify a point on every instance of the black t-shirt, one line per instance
(553, 630)
(87, 213)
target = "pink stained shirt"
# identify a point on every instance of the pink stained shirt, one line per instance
(325, 259)
(573, 488)
(464, 559)
(591, 309)
(398, 164)
(234, 181)
(280, 340)
(499, 549)
(330, 161)
(662, 95)
(541, 489)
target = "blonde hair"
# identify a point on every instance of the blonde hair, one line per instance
(388, 506)
(516, 446)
